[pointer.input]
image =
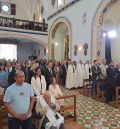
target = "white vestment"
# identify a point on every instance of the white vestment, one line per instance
(75, 76)
(80, 75)
(56, 92)
(50, 114)
(88, 71)
(70, 77)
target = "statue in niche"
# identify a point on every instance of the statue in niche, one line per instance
(66, 44)
(85, 48)
(75, 49)
(84, 18)
(42, 10)
(53, 2)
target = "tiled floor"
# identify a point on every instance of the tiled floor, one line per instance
(92, 114)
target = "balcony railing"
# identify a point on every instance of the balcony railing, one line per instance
(23, 24)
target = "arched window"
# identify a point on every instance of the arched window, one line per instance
(12, 54)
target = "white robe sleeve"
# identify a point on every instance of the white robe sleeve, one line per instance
(34, 86)
(52, 92)
(43, 84)
(59, 91)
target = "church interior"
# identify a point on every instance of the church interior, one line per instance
(60, 59)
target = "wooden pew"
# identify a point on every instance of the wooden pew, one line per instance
(101, 93)
(3, 114)
(69, 107)
(117, 96)
(87, 87)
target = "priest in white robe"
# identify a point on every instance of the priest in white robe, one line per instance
(52, 120)
(74, 65)
(88, 70)
(80, 73)
(70, 76)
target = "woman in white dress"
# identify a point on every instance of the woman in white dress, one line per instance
(55, 90)
(38, 82)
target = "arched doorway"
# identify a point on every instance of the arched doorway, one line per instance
(106, 19)
(60, 40)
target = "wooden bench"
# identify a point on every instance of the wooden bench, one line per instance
(87, 87)
(101, 93)
(69, 107)
(3, 114)
(117, 96)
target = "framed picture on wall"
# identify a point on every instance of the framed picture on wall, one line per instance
(38, 52)
(45, 51)
(34, 52)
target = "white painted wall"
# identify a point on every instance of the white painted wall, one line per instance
(81, 33)
(52, 9)
(23, 9)
(24, 50)
(59, 51)
(37, 47)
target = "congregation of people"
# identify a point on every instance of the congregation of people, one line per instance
(24, 80)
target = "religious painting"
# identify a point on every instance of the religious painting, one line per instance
(34, 52)
(85, 48)
(66, 44)
(44, 51)
(75, 50)
(38, 52)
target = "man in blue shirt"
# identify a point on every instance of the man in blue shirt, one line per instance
(19, 101)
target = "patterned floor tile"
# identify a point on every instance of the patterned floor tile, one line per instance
(93, 114)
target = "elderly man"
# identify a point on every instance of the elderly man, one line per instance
(52, 119)
(19, 101)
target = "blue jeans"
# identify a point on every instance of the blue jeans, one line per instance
(93, 88)
(16, 124)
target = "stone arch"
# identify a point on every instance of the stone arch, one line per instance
(97, 21)
(20, 35)
(54, 27)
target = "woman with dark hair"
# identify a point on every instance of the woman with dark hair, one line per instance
(55, 91)
(54, 88)
(38, 82)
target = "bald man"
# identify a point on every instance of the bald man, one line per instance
(52, 120)
(19, 101)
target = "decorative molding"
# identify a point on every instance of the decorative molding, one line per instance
(20, 35)
(20, 31)
(63, 9)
